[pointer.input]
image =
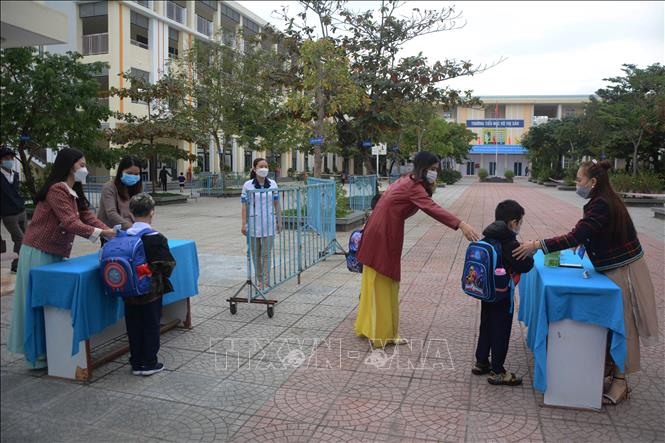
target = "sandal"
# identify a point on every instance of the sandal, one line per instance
(504, 378)
(481, 368)
(614, 399)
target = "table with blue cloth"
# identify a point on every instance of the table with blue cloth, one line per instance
(553, 294)
(71, 292)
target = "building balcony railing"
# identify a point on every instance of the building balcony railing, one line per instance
(176, 12)
(95, 43)
(139, 44)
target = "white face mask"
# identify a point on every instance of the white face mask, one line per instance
(81, 174)
(262, 172)
(432, 175)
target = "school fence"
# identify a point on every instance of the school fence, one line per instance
(361, 191)
(288, 231)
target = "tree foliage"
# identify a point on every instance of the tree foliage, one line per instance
(50, 100)
(154, 135)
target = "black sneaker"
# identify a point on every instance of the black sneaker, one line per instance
(137, 371)
(159, 367)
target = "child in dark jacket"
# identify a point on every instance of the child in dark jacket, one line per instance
(496, 318)
(142, 314)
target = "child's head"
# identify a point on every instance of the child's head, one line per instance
(142, 207)
(182, 173)
(510, 212)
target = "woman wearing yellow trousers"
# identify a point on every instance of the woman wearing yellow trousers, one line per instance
(381, 248)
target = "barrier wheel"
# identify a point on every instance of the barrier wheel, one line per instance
(234, 308)
(271, 311)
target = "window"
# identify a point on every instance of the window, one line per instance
(144, 3)
(211, 4)
(250, 25)
(229, 37)
(93, 9)
(140, 74)
(549, 111)
(495, 111)
(230, 13)
(139, 30)
(204, 26)
(175, 12)
(203, 157)
(174, 42)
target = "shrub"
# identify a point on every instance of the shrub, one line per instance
(645, 182)
(482, 174)
(509, 174)
(450, 176)
(569, 181)
(342, 201)
(544, 175)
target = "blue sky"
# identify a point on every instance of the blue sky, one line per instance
(548, 47)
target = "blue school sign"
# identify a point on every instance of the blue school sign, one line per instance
(495, 123)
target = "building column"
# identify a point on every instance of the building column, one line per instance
(559, 112)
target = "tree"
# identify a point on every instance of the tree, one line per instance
(153, 136)
(372, 43)
(632, 110)
(327, 90)
(50, 100)
(235, 93)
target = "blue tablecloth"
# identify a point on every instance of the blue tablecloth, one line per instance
(549, 295)
(76, 285)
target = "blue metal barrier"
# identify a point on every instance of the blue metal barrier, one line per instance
(93, 189)
(361, 191)
(288, 231)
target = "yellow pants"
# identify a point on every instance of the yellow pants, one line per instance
(378, 313)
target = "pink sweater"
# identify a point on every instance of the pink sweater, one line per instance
(56, 221)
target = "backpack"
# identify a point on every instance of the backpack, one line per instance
(479, 280)
(352, 262)
(123, 265)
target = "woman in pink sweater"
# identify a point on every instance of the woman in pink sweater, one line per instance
(61, 213)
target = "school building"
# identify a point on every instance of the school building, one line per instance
(500, 124)
(141, 37)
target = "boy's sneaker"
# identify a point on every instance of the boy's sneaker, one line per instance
(481, 368)
(137, 371)
(159, 367)
(504, 378)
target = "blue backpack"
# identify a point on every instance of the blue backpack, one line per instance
(123, 265)
(352, 262)
(478, 278)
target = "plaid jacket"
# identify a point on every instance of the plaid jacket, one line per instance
(604, 249)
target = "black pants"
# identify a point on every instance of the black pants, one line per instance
(143, 332)
(495, 324)
(164, 185)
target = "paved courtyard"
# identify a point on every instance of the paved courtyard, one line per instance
(304, 376)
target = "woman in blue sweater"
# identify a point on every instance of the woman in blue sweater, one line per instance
(608, 234)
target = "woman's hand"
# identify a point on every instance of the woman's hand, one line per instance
(469, 232)
(108, 233)
(243, 229)
(525, 249)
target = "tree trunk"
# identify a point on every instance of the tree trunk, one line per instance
(27, 171)
(220, 152)
(320, 129)
(636, 144)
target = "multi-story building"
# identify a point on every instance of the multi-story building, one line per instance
(500, 124)
(141, 37)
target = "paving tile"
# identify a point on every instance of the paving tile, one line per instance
(297, 405)
(438, 394)
(353, 412)
(521, 401)
(261, 429)
(215, 365)
(38, 394)
(640, 435)
(325, 381)
(569, 431)
(642, 414)
(495, 426)
(384, 387)
(87, 405)
(143, 416)
(431, 422)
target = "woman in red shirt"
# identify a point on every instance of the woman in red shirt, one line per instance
(381, 248)
(61, 213)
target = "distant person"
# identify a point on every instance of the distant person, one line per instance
(261, 219)
(162, 177)
(143, 313)
(526, 171)
(381, 248)
(116, 194)
(610, 240)
(12, 205)
(62, 212)
(181, 182)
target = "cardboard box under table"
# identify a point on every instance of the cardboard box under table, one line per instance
(79, 316)
(568, 317)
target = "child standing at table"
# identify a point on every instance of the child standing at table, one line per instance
(142, 314)
(496, 318)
